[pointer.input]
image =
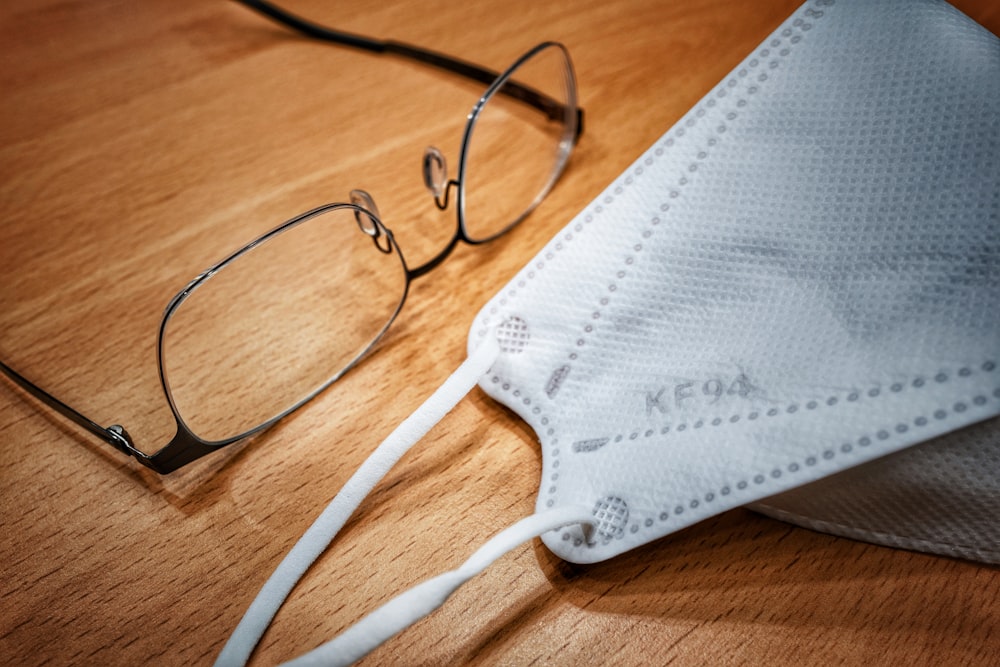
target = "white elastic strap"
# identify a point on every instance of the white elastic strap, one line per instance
(319, 535)
(407, 608)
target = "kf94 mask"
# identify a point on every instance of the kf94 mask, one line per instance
(791, 301)
(801, 276)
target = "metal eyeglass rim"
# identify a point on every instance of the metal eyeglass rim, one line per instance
(186, 447)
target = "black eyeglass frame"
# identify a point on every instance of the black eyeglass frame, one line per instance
(185, 447)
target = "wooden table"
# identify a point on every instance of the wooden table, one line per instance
(141, 142)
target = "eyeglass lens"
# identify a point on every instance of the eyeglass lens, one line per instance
(515, 151)
(278, 323)
(287, 316)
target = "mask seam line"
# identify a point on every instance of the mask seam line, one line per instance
(916, 382)
(549, 441)
(812, 460)
(788, 32)
(700, 113)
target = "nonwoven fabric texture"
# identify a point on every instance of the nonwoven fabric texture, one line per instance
(800, 277)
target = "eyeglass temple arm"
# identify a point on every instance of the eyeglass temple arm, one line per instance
(547, 105)
(115, 435)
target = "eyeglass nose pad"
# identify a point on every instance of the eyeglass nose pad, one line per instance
(435, 171)
(364, 200)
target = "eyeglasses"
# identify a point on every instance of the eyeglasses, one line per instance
(278, 321)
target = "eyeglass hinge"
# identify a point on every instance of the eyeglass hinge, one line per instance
(120, 439)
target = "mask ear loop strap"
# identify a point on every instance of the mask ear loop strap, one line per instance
(409, 607)
(321, 533)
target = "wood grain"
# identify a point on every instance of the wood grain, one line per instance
(141, 142)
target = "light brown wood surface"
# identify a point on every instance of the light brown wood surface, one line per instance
(142, 141)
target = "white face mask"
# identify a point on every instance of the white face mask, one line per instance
(802, 276)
